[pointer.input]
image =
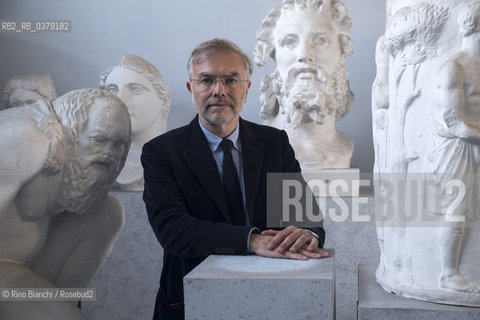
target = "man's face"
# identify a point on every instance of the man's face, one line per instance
(305, 41)
(21, 97)
(220, 105)
(138, 94)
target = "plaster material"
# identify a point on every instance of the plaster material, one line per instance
(140, 85)
(426, 130)
(309, 90)
(243, 287)
(57, 221)
(25, 89)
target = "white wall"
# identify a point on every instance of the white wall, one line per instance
(164, 33)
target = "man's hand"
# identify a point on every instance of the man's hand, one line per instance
(295, 240)
(290, 243)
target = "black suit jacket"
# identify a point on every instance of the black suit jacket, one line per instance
(187, 207)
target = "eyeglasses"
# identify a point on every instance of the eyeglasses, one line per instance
(206, 83)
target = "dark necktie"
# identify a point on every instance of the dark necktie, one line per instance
(231, 185)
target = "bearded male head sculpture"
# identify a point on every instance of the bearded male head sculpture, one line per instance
(309, 90)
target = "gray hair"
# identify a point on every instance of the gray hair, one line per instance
(149, 71)
(265, 47)
(40, 84)
(469, 18)
(209, 47)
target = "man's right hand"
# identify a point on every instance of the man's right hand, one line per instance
(259, 246)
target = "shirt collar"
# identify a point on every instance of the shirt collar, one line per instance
(214, 141)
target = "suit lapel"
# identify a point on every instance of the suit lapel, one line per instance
(201, 161)
(253, 154)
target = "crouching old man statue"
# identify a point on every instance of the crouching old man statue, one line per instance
(57, 223)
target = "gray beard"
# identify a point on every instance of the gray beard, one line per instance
(306, 100)
(85, 185)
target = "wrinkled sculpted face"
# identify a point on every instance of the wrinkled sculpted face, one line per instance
(22, 97)
(307, 52)
(103, 142)
(97, 159)
(138, 94)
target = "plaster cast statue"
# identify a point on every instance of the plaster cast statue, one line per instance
(140, 85)
(454, 151)
(25, 89)
(57, 221)
(309, 90)
(410, 40)
(380, 104)
(427, 150)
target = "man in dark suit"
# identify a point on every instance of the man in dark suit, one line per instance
(191, 206)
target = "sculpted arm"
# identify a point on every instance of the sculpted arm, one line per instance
(23, 151)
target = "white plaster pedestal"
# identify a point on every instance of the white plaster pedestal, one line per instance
(253, 287)
(376, 304)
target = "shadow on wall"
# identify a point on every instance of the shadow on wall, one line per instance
(30, 56)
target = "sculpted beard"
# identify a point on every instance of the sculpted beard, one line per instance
(306, 99)
(86, 181)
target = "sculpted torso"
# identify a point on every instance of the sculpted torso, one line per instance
(461, 93)
(24, 250)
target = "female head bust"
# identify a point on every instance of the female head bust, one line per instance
(141, 87)
(25, 89)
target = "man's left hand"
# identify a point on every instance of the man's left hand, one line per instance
(295, 240)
